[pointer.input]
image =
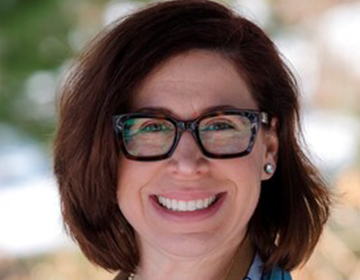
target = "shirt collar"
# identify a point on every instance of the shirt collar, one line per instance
(255, 270)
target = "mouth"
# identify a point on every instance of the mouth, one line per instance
(188, 205)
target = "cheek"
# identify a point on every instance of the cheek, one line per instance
(126, 184)
(245, 176)
(128, 198)
(133, 177)
(254, 162)
(247, 180)
(245, 170)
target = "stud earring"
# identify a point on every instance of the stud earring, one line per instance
(269, 168)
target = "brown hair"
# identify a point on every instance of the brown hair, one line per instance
(294, 203)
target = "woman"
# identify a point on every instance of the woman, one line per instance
(177, 154)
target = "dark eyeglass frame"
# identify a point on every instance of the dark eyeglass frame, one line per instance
(255, 117)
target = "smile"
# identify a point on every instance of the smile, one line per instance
(186, 206)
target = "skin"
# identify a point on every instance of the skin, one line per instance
(187, 85)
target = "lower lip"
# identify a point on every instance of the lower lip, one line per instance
(189, 216)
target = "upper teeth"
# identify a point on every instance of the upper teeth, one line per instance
(181, 205)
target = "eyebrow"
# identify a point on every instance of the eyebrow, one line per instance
(169, 112)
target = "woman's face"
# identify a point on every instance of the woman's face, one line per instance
(186, 86)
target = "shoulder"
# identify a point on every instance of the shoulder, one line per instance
(276, 274)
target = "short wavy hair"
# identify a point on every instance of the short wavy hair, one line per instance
(294, 203)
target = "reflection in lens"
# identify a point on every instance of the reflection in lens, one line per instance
(225, 134)
(148, 136)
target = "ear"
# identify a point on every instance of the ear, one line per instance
(271, 141)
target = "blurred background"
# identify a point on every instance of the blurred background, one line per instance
(320, 40)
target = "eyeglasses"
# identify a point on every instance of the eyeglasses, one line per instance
(220, 134)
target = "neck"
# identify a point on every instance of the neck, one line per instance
(241, 261)
(232, 265)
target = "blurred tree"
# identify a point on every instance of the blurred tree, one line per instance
(36, 37)
(33, 36)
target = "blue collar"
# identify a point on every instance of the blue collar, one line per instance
(255, 272)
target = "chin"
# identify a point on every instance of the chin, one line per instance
(192, 245)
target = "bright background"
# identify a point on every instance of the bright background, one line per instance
(38, 39)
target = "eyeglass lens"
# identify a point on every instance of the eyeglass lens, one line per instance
(227, 134)
(220, 135)
(148, 136)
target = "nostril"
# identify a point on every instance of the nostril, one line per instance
(188, 160)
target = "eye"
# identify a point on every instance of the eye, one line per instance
(218, 125)
(155, 127)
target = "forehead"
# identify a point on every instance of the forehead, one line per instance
(191, 83)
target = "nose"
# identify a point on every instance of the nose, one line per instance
(187, 159)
